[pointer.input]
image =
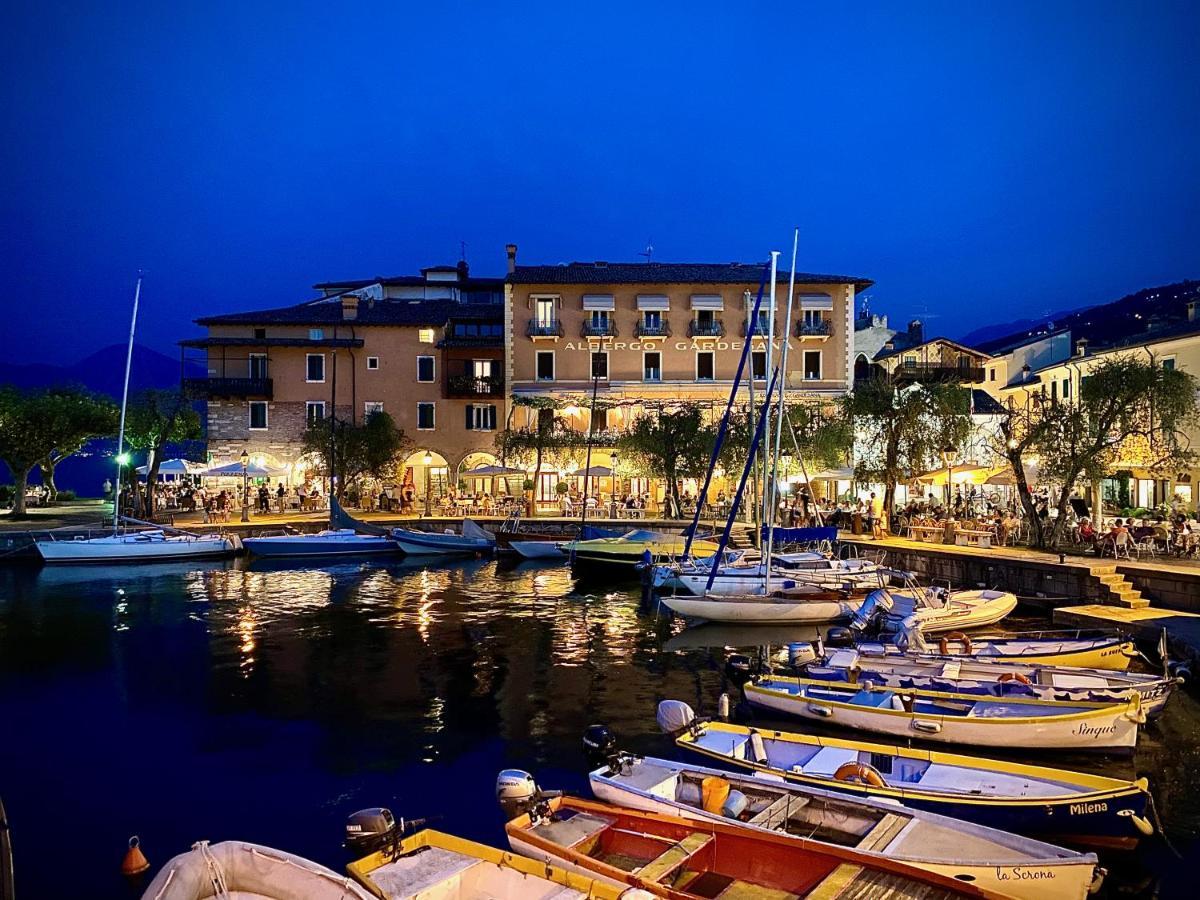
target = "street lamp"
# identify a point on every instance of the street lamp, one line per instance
(245, 486)
(948, 458)
(613, 499)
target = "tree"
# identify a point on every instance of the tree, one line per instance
(671, 444)
(77, 416)
(824, 434)
(36, 426)
(550, 434)
(350, 450)
(155, 418)
(902, 430)
(1126, 406)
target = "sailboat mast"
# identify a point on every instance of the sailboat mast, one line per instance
(783, 361)
(750, 330)
(137, 294)
(766, 467)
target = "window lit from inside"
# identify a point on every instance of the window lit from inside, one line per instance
(481, 417)
(314, 412)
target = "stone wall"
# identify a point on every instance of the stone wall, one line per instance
(1174, 590)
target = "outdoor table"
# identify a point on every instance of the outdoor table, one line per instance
(968, 537)
(927, 533)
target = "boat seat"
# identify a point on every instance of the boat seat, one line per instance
(829, 759)
(848, 880)
(952, 669)
(674, 856)
(572, 831)
(646, 776)
(883, 833)
(775, 814)
(872, 698)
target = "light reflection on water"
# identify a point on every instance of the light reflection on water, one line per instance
(267, 702)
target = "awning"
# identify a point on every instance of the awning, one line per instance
(593, 472)
(843, 474)
(653, 302)
(490, 471)
(598, 302)
(816, 301)
(963, 473)
(715, 302)
(171, 467)
(235, 468)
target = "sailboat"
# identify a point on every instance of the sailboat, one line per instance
(346, 536)
(152, 543)
(470, 541)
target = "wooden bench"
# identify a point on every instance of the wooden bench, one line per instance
(674, 856)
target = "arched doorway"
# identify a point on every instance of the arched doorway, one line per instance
(862, 367)
(424, 481)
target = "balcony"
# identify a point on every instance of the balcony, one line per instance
(473, 386)
(936, 371)
(656, 330)
(715, 328)
(536, 329)
(211, 388)
(761, 331)
(606, 328)
(818, 328)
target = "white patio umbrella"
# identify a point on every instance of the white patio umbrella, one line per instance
(233, 469)
(171, 467)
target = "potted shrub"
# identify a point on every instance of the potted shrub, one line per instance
(527, 487)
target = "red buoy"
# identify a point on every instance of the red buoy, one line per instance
(135, 862)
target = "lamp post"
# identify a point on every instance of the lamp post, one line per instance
(245, 486)
(948, 459)
(613, 498)
(428, 460)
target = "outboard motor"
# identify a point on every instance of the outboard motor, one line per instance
(518, 794)
(370, 830)
(675, 717)
(739, 669)
(877, 605)
(839, 636)
(800, 654)
(600, 745)
(910, 638)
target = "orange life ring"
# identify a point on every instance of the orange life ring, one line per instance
(944, 642)
(1013, 676)
(860, 773)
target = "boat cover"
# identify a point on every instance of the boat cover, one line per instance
(802, 535)
(593, 532)
(339, 518)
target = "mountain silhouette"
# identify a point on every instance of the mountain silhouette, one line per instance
(103, 371)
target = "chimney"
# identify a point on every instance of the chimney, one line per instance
(1081, 346)
(916, 331)
(1191, 310)
(349, 307)
(511, 250)
(463, 269)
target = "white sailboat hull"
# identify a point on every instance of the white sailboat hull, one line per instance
(761, 610)
(138, 547)
(825, 575)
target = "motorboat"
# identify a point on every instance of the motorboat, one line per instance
(536, 549)
(953, 718)
(687, 859)
(469, 541)
(240, 869)
(331, 542)
(982, 676)
(799, 604)
(975, 854)
(933, 609)
(623, 553)
(1064, 806)
(431, 864)
(153, 544)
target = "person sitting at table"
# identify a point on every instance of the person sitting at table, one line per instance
(1087, 533)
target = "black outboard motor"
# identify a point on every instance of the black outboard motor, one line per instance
(739, 669)
(600, 745)
(370, 830)
(839, 636)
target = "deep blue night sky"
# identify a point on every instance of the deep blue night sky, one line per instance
(979, 161)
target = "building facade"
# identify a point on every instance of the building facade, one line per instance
(641, 336)
(427, 349)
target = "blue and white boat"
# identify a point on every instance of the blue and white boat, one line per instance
(470, 541)
(1071, 807)
(346, 536)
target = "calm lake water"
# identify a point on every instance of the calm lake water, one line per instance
(266, 704)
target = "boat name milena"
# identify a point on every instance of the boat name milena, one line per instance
(1084, 809)
(1018, 873)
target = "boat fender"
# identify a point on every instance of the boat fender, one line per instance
(135, 862)
(903, 702)
(675, 717)
(823, 711)
(757, 747)
(1141, 823)
(1130, 650)
(955, 636)
(1180, 672)
(1136, 714)
(926, 726)
(859, 773)
(1013, 676)
(1098, 875)
(852, 674)
(723, 706)
(735, 804)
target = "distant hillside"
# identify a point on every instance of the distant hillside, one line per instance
(103, 371)
(1108, 323)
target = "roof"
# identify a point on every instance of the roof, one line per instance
(270, 342)
(666, 273)
(984, 404)
(937, 340)
(411, 281)
(1001, 346)
(370, 312)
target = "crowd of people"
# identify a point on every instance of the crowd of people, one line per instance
(1176, 536)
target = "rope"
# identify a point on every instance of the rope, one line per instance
(216, 875)
(1159, 825)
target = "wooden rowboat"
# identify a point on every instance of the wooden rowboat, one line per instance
(967, 852)
(686, 859)
(1063, 806)
(951, 718)
(1035, 648)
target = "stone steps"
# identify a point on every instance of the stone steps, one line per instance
(1115, 589)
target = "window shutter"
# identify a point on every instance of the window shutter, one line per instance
(491, 417)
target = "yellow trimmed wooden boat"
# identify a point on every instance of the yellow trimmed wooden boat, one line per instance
(432, 864)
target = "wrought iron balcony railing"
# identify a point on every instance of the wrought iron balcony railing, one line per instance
(817, 328)
(645, 329)
(605, 328)
(537, 328)
(472, 386)
(715, 328)
(764, 327)
(208, 388)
